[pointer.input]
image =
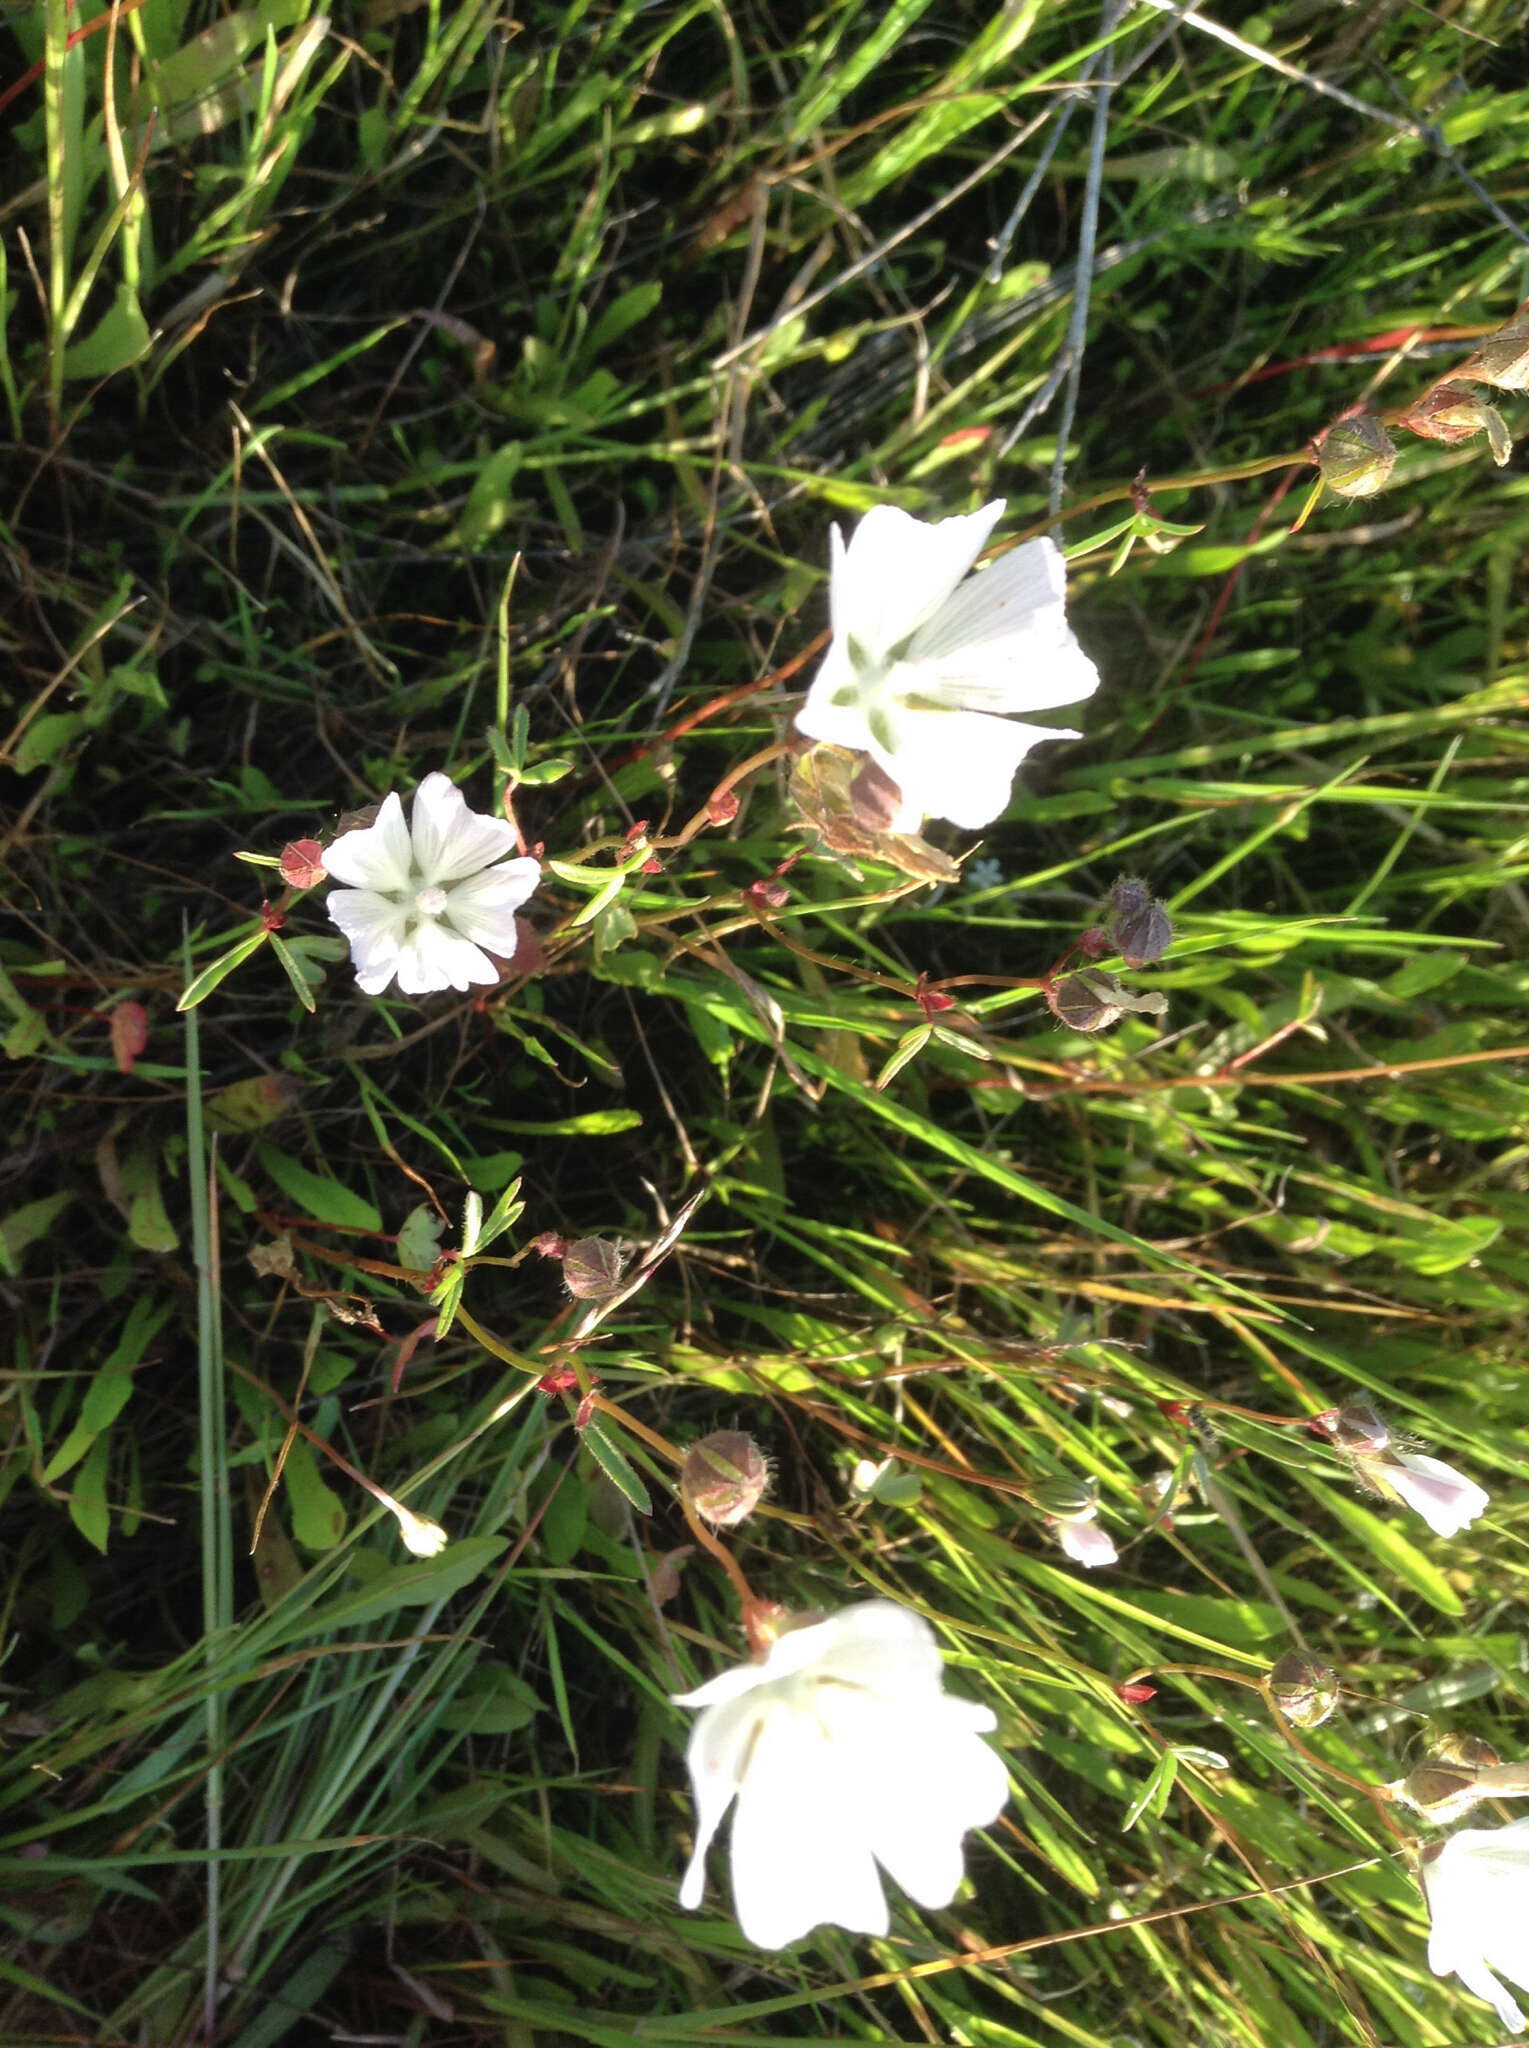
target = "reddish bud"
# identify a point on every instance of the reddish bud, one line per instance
(561, 1380)
(1136, 1695)
(549, 1245)
(1095, 943)
(586, 1407)
(932, 1001)
(771, 895)
(271, 918)
(1452, 413)
(652, 865)
(129, 1034)
(722, 806)
(302, 864)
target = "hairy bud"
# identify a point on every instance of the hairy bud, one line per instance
(1356, 457)
(592, 1268)
(1068, 1500)
(1138, 924)
(724, 1477)
(1356, 1426)
(1304, 1690)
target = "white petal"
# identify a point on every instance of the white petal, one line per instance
(875, 1644)
(799, 1852)
(435, 958)
(375, 856)
(483, 906)
(1445, 1498)
(1002, 642)
(958, 765)
(1087, 1544)
(374, 925)
(897, 572)
(719, 1744)
(451, 841)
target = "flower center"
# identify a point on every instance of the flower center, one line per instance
(430, 902)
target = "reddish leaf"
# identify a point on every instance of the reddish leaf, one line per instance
(129, 1034)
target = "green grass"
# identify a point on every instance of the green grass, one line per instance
(451, 387)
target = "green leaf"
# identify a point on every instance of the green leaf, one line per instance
(610, 1454)
(46, 738)
(119, 338)
(490, 501)
(318, 1513)
(419, 1240)
(301, 984)
(202, 985)
(25, 1226)
(1153, 1796)
(318, 1196)
(418, 1583)
(1388, 1542)
(87, 1504)
(506, 1212)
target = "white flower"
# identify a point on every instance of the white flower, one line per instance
(918, 666)
(1477, 1888)
(843, 1752)
(1085, 1542)
(428, 897)
(1445, 1498)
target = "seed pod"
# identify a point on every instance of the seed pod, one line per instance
(1503, 358)
(1304, 1690)
(1139, 925)
(724, 1477)
(1356, 457)
(592, 1268)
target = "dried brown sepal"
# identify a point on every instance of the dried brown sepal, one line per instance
(1450, 413)
(1503, 358)
(822, 788)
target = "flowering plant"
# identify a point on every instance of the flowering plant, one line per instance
(843, 1752)
(921, 662)
(429, 900)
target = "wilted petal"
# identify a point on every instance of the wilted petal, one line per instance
(1087, 1544)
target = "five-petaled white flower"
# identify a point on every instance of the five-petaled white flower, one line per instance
(843, 1752)
(1477, 1887)
(426, 899)
(920, 661)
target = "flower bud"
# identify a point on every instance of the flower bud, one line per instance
(722, 806)
(1304, 1691)
(1451, 413)
(592, 1268)
(1067, 1500)
(1503, 358)
(1356, 457)
(302, 864)
(1356, 1426)
(724, 1477)
(1138, 924)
